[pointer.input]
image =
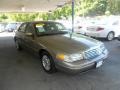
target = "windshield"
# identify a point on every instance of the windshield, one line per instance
(104, 22)
(50, 28)
(108, 21)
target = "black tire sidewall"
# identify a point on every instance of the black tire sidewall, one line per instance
(18, 47)
(52, 64)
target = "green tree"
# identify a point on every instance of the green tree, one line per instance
(82, 8)
(114, 6)
(3, 17)
(91, 7)
(20, 17)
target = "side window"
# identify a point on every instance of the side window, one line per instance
(29, 29)
(60, 26)
(40, 27)
(22, 28)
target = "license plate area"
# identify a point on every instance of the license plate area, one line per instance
(99, 63)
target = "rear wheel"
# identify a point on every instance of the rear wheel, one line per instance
(110, 36)
(47, 63)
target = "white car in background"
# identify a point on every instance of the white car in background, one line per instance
(2, 27)
(82, 25)
(106, 28)
(66, 23)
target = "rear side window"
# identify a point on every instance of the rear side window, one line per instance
(29, 29)
(40, 27)
(22, 27)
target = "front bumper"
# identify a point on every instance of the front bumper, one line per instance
(82, 65)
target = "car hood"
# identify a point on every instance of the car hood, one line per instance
(65, 44)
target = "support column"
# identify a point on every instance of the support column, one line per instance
(72, 18)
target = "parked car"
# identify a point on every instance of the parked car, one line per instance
(12, 26)
(106, 28)
(82, 26)
(66, 23)
(57, 50)
(1, 28)
(82, 23)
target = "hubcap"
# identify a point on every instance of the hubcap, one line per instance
(110, 36)
(46, 62)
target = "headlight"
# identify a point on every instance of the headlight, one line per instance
(69, 58)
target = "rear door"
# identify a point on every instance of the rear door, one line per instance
(30, 40)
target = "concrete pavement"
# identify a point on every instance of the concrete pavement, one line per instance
(22, 71)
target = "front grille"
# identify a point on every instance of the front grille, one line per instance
(91, 54)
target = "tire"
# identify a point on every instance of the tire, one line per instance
(47, 63)
(118, 37)
(17, 45)
(110, 36)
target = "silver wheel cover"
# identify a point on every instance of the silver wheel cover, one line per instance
(46, 62)
(110, 36)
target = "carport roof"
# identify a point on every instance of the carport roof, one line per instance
(30, 5)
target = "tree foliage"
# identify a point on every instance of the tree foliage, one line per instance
(82, 8)
(3, 17)
(114, 6)
(21, 17)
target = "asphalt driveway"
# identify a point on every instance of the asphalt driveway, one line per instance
(22, 71)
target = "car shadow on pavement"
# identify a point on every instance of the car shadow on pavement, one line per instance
(103, 39)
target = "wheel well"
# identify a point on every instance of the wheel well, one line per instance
(112, 32)
(41, 51)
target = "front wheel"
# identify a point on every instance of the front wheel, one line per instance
(110, 36)
(17, 45)
(47, 63)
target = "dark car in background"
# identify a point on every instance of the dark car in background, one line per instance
(12, 27)
(57, 50)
